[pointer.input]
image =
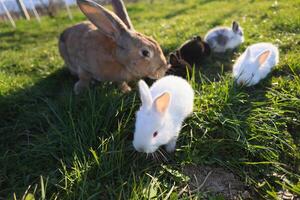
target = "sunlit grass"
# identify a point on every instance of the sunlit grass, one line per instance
(63, 146)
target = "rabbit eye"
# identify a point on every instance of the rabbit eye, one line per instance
(155, 134)
(146, 53)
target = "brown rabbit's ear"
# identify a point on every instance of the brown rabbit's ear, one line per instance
(120, 10)
(173, 60)
(106, 21)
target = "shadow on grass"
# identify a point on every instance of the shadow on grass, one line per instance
(187, 9)
(45, 128)
(217, 65)
(179, 12)
(18, 39)
(22, 123)
(237, 132)
(262, 134)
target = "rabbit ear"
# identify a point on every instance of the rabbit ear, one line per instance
(261, 59)
(106, 21)
(173, 60)
(197, 37)
(120, 10)
(248, 53)
(145, 94)
(207, 49)
(235, 26)
(162, 102)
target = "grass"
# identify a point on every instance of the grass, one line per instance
(55, 145)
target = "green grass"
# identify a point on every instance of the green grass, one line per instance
(55, 145)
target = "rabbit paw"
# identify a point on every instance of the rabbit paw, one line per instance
(125, 87)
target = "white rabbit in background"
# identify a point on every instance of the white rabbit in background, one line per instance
(164, 107)
(255, 63)
(222, 38)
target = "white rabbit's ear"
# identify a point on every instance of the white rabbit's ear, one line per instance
(162, 102)
(145, 94)
(248, 53)
(107, 22)
(261, 59)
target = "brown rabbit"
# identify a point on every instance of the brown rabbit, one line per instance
(105, 49)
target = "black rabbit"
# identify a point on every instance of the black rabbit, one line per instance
(190, 53)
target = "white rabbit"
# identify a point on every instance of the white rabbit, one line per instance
(164, 107)
(255, 63)
(221, 39)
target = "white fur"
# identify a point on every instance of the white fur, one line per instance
(248, 71)
(235, 38)
(168, 124)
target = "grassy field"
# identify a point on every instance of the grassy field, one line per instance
(55, 145)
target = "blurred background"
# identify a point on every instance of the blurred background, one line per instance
(11, 10)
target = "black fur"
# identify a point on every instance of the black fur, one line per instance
(190, 53)
(235, 26)
(194, 51)
(62, 37)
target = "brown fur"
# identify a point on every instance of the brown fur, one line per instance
(106, 50)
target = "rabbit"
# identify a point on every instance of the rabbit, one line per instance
(164, 107)
(255, 63)
(221, 39)
(106, 49)
(190, 53)
(120, 10)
